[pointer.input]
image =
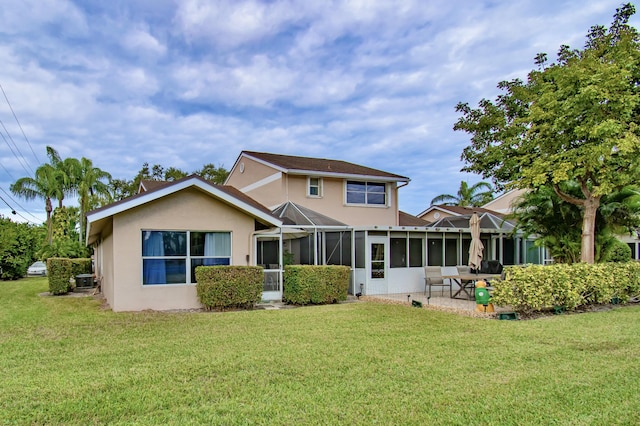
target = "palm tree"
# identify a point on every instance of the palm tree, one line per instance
(468, 196)
(88, 183)
(45, 185)
(543, 213)
(64, 173)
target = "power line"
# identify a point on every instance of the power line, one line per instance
(18, 204)
(13, 199)
(30, 173)
(20, 125)
(9, 174)
(13, 211)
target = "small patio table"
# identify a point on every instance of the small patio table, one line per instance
(467, 283)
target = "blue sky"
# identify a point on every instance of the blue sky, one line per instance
(189, 82)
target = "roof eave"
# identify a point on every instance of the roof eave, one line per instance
(173, 188)
(348, 175)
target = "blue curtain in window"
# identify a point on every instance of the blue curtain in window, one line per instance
(154, 271)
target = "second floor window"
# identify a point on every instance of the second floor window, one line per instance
(371, 193)
(314, 188)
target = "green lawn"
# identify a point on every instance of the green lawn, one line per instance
(67, 361)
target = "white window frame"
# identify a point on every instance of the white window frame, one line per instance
(319, 186)
(366, 183)
(187, 258)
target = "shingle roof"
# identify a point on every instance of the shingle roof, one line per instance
(321, 166)
(150, 185)
(406, 219)
(154, 186)
(460, 210)
(488, 220)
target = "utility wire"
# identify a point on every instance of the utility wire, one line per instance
(18, 204)
(13, 199)
(13, 211)
(20, 125)
(9, 174)
(20, 159)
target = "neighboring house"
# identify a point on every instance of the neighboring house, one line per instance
(449, 240)
(450, 244)
(504, 202)
(633, 241)
(273, 210)
(440, 211)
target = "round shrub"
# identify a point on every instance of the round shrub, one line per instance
(618, 251)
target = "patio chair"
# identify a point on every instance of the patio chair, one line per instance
(451, 271)
(433, 278)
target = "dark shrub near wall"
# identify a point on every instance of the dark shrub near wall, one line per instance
(307, 284)
(229, 287)
(62, 271)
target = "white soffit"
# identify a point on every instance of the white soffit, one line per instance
(262, 182)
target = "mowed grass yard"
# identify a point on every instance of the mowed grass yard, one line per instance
(67, 361)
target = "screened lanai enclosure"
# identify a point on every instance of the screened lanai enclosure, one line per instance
(383, 259)
(449, 240)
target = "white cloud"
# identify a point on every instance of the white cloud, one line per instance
(231, 23)
(191, 82)
(30, 15)
(139, 41)
(133, 82)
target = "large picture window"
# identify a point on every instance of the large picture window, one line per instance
(368, 193)
(171, 257)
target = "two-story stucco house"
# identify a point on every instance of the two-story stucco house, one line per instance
(273, 210)
(334, 212)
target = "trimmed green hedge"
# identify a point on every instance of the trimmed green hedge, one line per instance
(308, 284)
(537, 287)
(229, 287)
(60, 270)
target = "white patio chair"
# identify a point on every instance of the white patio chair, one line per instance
(433, 278)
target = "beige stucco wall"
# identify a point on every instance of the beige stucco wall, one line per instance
(294, 188)
(105, 256)
(253, 172)
(270, 193)
(503, 203)
(333, 202)
(188, 210)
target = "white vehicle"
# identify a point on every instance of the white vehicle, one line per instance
(37, 268)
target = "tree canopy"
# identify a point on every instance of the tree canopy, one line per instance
(575, 120)
(122, 188)
(60, 178)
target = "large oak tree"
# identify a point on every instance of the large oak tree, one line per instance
(572, 120)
